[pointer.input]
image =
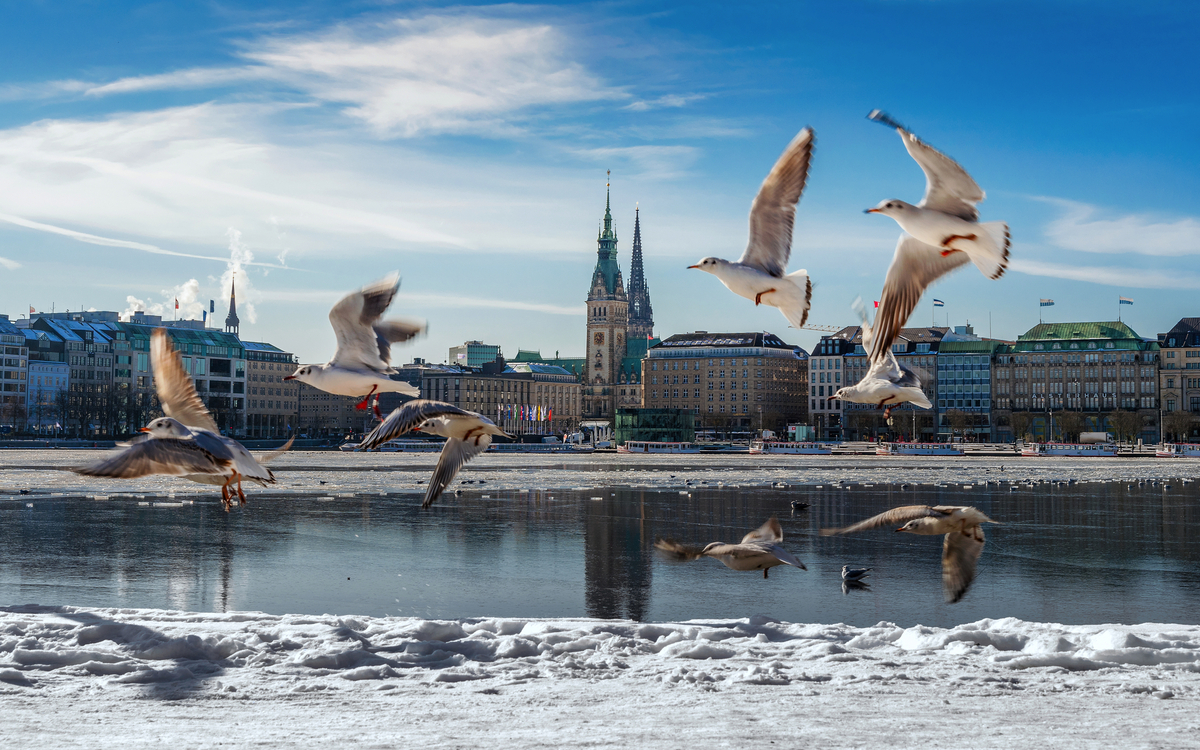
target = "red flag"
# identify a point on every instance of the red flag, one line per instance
(177, 303)
(876, 304)
(550, 415)
(31, 310)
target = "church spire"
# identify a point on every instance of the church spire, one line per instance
(608, 230)
(641, 315)
(231, 320)
(606, 278)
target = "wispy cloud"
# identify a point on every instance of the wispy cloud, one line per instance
(1108, 275)
(10, 265)
(1092, 229)
(405, 77)
(667, 100)
(660, 162)
(425, 300)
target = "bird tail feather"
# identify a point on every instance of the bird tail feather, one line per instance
(797, 314)
(993, 241)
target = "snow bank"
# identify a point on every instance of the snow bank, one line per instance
(67, 648)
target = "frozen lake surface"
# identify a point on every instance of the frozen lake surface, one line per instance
(553, 537)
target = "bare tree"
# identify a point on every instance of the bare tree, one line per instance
(1070, 424)
(1179, 425)
(1126, 424)
(1021, 421)
(959, 421)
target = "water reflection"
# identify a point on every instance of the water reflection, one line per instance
(1083, 553)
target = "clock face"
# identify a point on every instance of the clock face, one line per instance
(598, 338)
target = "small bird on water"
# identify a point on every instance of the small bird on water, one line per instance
(758, 550)
(761, 273)
(962, 545)
(854, 574)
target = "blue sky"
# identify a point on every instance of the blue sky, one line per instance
(150, 151)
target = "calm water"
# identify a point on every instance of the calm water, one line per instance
(1087, 553)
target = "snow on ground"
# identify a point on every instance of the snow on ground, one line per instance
(137, 678)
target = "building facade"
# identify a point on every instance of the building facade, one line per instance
(272, 404)
(14, 374)
(522, 398)
(964, 389)
(916, 349)
(1179, 380)
(825, 376)
(473, 354)
(1059, 378)
(744, 380)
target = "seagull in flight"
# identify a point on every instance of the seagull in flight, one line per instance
(887, 382)
(186, 442)
(941, 233)
(361, 363)
(467, 435)
(761, 273)
(758, 550)
(961, 547)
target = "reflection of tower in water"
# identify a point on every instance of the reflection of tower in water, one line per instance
(616, 557)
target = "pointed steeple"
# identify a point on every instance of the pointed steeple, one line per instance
(606, 278)
(231, 320)
(641, 314)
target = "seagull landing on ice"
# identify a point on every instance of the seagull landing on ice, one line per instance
(361, 364)
(887, 383)
(760, 274)
(467, 435)
(961, 548)
(758, 550)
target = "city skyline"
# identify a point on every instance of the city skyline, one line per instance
(150, 154)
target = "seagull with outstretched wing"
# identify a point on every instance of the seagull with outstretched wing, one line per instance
(761, 273)
(887, 382)
(467, 435)
(961, 547)
(361, 365)
(758, 550)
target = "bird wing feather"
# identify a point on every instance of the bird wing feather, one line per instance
(394, 331)
(914, 267)
(773, 212)
(676, 551)
(354, 318)
(770, 532)
(948, 187)
(454, 454)
(176, 391)
(170, 456)
(901, 515)
(264, 458)
(407, 418)
(960, 553)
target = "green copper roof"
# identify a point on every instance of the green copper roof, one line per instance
(606, 252)
(969, 347)
(1084, 331)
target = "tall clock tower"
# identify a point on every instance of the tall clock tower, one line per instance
(607, 325)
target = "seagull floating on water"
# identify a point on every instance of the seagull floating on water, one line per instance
(758, 550)
(186, 442)
(961, 548)
(851, 575)
(887, 382)
(361, 364)
(761, 273)
(467, 435)
(941, 233)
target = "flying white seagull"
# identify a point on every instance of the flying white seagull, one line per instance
(361, 364)
(941, 233)
(758, 550)
(961, 548)
(186, 442)
(761, 273)
(887, 382)
(467, 435)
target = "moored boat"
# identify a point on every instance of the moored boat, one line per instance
(917, 449)
(1178, 450)
(790, 448)
(649, 446)
(1095, 450)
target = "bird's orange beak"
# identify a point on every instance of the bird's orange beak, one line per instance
(900, 529)
(289, 377)
(696, 266)
(871, 211)
(143, 429)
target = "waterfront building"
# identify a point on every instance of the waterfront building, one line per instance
(617, 337)
(964, 388)
(1058, 379)
(656, 425)
(825, 371)
(90, 403)
(522, 397)
(748, 380)
(1179, 380)
(49, 381)
(473, 354)
(272, 403)
(322, 414)
(915, 348)
(14, 370)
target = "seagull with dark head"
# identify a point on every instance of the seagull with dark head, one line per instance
(361, 364)
(887, 382)
(761, 273)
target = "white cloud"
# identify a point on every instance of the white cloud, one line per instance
(186, 295)
(1094, 230)
(424, 300)
(667, 100)
(240, 256)
(11, 265)
(1109, 276)
(409, 76)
